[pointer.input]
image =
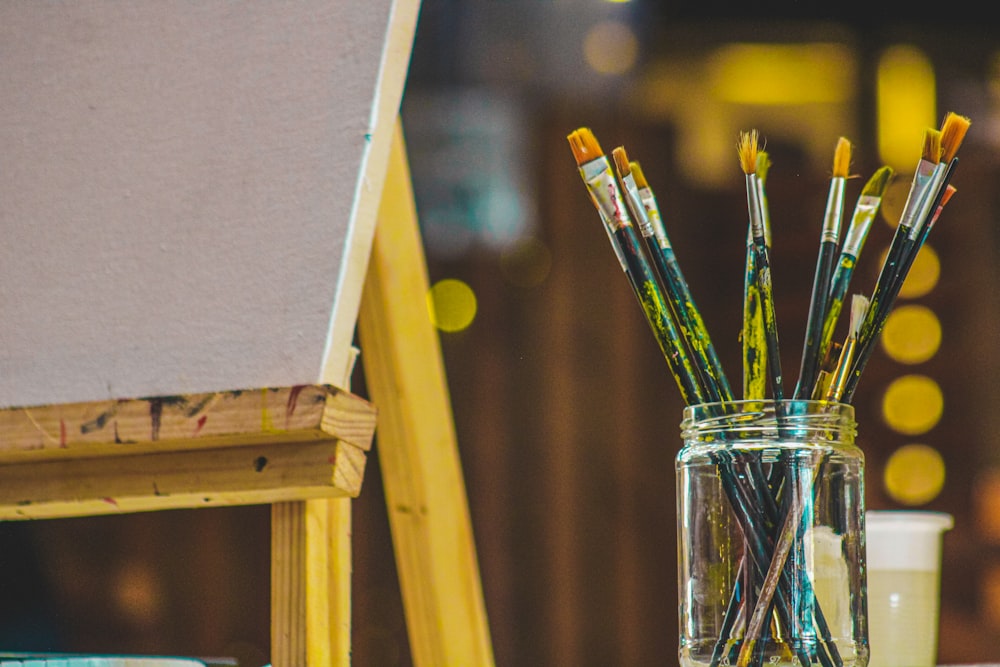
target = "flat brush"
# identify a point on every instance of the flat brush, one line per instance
(646, 211)
(747, 149)
(935, 194)
(865, 211)
(829, 242)
(752, 338)
(595, 169)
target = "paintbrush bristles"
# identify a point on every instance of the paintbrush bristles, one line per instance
(763, 165)
(931, 150)
(859, 306)
(953, 131)
(877, 184)
(584, 145)
(621, 161)
(842, 158)
(640, 178)
(748, 148)
(948, 192)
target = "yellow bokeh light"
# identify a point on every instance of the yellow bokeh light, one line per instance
(894, 200)
(923, 275)
(906, 103)
(914, 474)
(912, 334)
(783, 73)
(452, 305)
(610, 47)
(912, 404)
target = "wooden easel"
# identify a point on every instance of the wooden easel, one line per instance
(302, 449)
(425, 492)
(286, 446)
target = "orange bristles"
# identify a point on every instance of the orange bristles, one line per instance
(621, 162)
(584, 145)
(842, 158)
(953, 131)
(748, 148)
(931, 150)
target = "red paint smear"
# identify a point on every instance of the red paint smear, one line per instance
(110, 501)
(293, 397)
(62, 433)
(201, 423)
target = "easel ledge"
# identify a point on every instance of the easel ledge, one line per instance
(236, 447)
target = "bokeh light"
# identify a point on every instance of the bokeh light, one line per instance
(912, 334)
(452, 305)
(611, 47)
(526, 263)
(923, 275)
(986, 502)
(907, 104)
(782, 74)
(914, 474)
(912, 404)
(990, 592)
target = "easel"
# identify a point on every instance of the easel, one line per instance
(313, 439)
(424, 488)
(300, 448)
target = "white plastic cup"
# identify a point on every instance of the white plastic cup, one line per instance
(904, 585)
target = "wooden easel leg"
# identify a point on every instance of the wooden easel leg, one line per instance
(416, 442)
(311, 583)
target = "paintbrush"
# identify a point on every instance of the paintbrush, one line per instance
(838, 380)
(752, 336)
(646, 212)
(747, 149)
(829, 242)
(935, 193)
(595, 169)
(953, 131)
(865, 211)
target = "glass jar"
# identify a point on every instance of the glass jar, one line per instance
(770, 521)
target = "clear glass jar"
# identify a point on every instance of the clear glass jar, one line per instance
(770, 520)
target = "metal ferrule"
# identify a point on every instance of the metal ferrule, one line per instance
(605, 192)
(607, 198)
(921, 179)
(636, 206)
(655, 221)
(834, 211)
(864, 214)
(754, 208)
(927, 199)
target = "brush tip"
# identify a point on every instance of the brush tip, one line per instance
(953, 131)
(931, 150)
(842, 158)
(949, 191)
(748, 148)
(859, 307)
(877, 184)
(763, 165)
(620, 158)
(584, 145)
(640, 178)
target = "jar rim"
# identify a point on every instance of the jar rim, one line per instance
(767, 415)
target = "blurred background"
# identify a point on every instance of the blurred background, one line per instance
(566, 414)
